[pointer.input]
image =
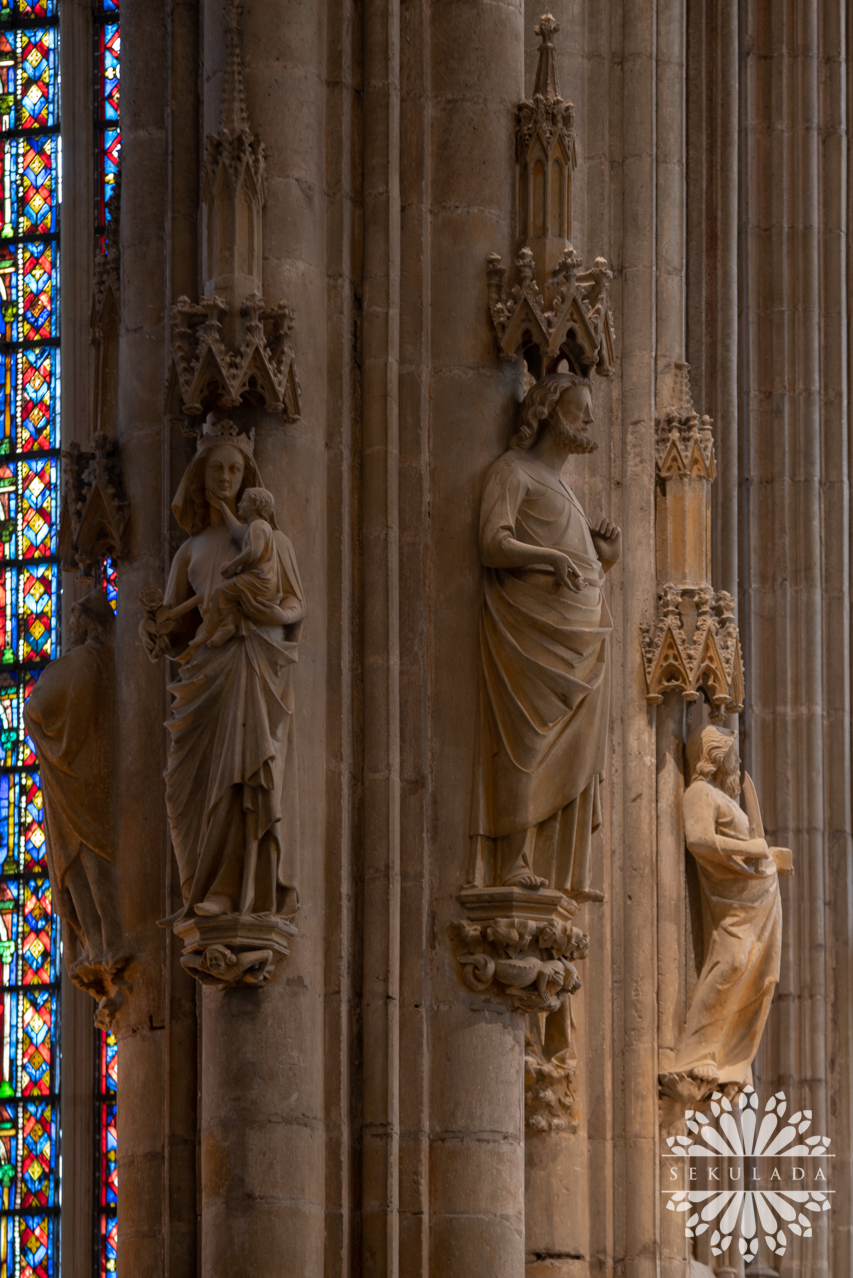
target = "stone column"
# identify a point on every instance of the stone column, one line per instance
(476, 1103)
(672, 958)
(181, 1017)
(262, 1135)
(143, 847)
(633, 832)
(795, 513)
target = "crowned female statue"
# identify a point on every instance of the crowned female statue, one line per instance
(231, 615)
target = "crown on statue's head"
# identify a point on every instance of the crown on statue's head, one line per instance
(225, 432)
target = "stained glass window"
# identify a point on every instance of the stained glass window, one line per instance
(29, 614)
(106, 1179)
(107, 135)
(107, 148)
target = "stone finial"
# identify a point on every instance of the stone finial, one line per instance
(682, 396)
(235, 114)
(546, 71)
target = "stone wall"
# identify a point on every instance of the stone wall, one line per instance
(363, 1113)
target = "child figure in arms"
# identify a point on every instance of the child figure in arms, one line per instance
(256, 586)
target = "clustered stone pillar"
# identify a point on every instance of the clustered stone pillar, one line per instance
(141, 695)
(262, 1134)
(476, 1102)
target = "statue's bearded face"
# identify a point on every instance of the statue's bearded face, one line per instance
(571, 418)
(223, 471)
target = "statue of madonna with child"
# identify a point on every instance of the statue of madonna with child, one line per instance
(230, 620)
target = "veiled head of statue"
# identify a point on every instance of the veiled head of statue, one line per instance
(224, 465)
(91, 618)
(562, 404)
(717, 759)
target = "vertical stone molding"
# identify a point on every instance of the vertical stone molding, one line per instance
(105, 319)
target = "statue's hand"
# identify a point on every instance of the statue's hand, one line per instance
(567, 573)
(607, 539)
(215, 501)
(155, 626)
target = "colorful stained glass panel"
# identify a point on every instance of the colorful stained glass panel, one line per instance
(29, 618)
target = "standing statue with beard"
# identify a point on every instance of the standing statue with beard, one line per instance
(545, 677)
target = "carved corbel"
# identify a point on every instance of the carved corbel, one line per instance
(230, 348)
(519, 946)
(234, 949)
(553, 311)
(95, 510)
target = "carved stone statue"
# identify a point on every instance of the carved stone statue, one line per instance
(70, 716)
(544, 690)
(742, 913)
(231, 787)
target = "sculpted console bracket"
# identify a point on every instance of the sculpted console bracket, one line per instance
(519, 946)
(234, 949)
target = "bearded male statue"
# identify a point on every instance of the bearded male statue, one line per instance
(545, 667)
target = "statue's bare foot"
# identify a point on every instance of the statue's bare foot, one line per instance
(213, 905)
(525, 878)
(706, 1072)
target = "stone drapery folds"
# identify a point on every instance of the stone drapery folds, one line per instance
(70, 715)
(233, 610)
(742, 912)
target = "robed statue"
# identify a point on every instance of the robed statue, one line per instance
(70, 716)
(742, 917)
(231, 616)
(544, 660)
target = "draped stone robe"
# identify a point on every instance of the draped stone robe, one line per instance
(544, 686)
(742, 913)
(231, 784)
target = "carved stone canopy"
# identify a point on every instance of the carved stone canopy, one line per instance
(231, 348)
(206, 376)
(554, 311)
(547, 158)
(575, 325)
(694, 646)
(95, 512)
